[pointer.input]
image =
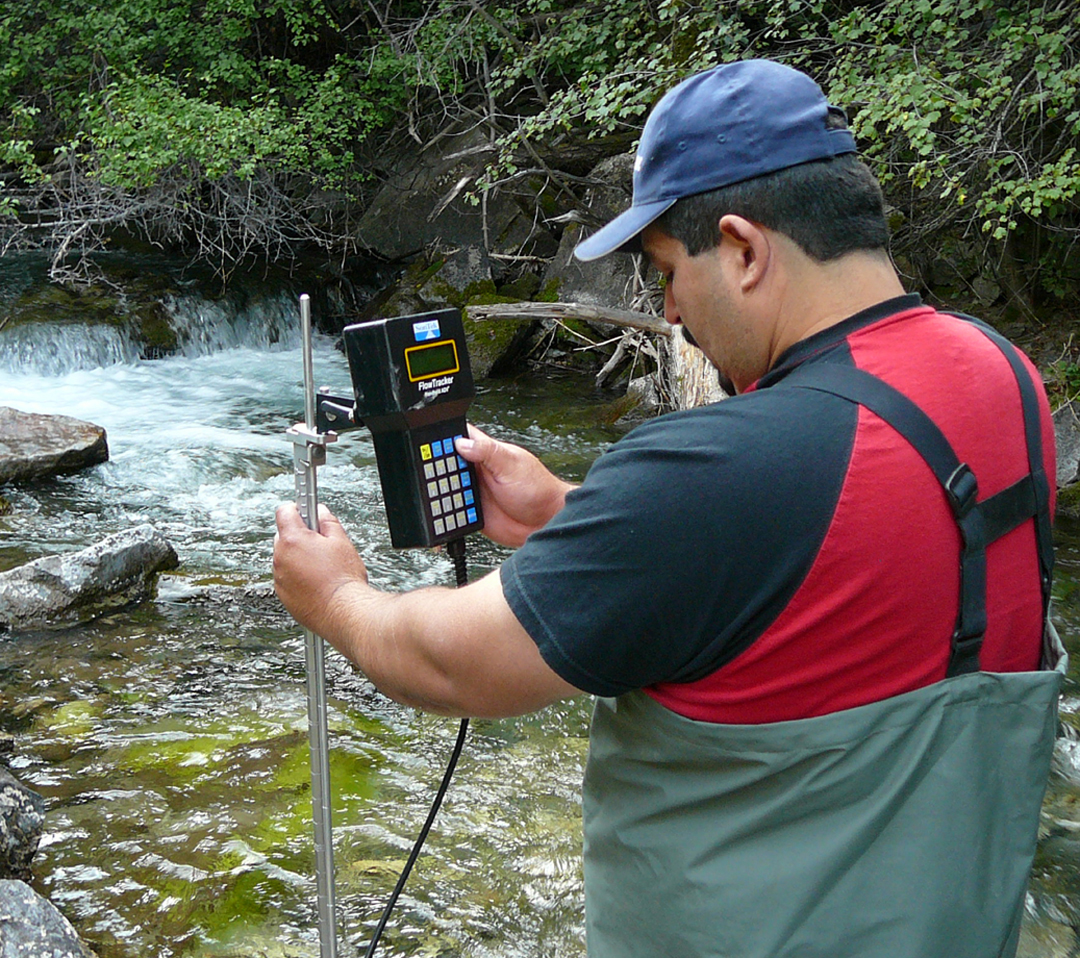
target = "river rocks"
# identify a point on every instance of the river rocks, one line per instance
(436, 281)
(61, 590)
(1046, 939)
(33, 446)
(31, 927)
(118, 297)
(22, 814)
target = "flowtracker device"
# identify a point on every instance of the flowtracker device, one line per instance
(412, 386)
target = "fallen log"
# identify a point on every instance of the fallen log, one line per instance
(686, 378)
(562, 311)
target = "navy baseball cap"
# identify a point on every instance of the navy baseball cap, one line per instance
(728, 124)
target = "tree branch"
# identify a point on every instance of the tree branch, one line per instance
(563, 311)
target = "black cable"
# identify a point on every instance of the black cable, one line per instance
(456, 551)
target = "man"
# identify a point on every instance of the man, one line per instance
(814, 612)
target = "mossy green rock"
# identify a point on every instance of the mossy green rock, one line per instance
(524, 287)
(495, 344)
(72, 720)
(138, 309)
(461, 280)
(64, 304)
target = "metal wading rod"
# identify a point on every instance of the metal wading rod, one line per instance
(309, 452)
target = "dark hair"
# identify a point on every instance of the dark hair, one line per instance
(828, 207)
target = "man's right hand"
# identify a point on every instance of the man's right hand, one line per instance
(517, 491)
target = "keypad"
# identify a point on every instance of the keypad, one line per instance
(448, 483)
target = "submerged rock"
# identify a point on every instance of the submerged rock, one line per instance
(31, 927)
(22, 815)
(33, 446)
(61, 590)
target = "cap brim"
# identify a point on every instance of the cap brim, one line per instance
(621, 234)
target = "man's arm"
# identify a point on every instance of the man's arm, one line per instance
(450, 651)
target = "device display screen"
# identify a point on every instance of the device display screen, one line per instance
(438, 359)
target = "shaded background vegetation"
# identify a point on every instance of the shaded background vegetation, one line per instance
(231, 129)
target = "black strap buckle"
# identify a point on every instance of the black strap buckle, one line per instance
(964, 657)
(963, 490)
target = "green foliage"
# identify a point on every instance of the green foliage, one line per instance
(967, 109)
(1062, 381)
(974, 103)
(16, 154)
(143, 126)
(138, 87)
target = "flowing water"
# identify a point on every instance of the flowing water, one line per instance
(169, 739)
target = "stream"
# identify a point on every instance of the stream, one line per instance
(169, 739)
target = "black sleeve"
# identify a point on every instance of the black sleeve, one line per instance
(685, 541)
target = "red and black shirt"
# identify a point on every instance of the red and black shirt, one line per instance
(786, 553)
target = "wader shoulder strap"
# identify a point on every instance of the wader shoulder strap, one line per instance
(980, 522)
(1040, 486)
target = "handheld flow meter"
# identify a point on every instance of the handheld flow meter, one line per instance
(412, 385)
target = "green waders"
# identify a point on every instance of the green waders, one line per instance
(900, 829)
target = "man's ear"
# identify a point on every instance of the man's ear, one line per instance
(750, 248)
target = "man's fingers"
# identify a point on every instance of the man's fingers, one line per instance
(330, 525)
(289, 520)
(287, 517)
(477, 447)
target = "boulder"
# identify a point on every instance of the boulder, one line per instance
(609, 281)
(22, 815)
(62, 590)
(425, 201)
(458, 278)
(31, 927)
(33, 446)
(435, 281)
(1067, 431)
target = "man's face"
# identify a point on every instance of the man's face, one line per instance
(699, 297)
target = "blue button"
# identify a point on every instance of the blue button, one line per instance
(436, 448)
(466, 479)
(461, 463)
(471, 513)
(469, 497)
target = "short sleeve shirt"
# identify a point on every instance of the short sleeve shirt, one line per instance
(784, 553)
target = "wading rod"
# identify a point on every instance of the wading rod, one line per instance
(309, 452)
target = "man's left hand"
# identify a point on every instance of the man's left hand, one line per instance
(310, 567)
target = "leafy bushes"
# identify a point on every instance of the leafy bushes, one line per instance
(223, 124)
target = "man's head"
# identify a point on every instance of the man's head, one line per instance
(747, 191)
(728, 125)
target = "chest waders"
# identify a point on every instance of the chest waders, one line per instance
(899, 829)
